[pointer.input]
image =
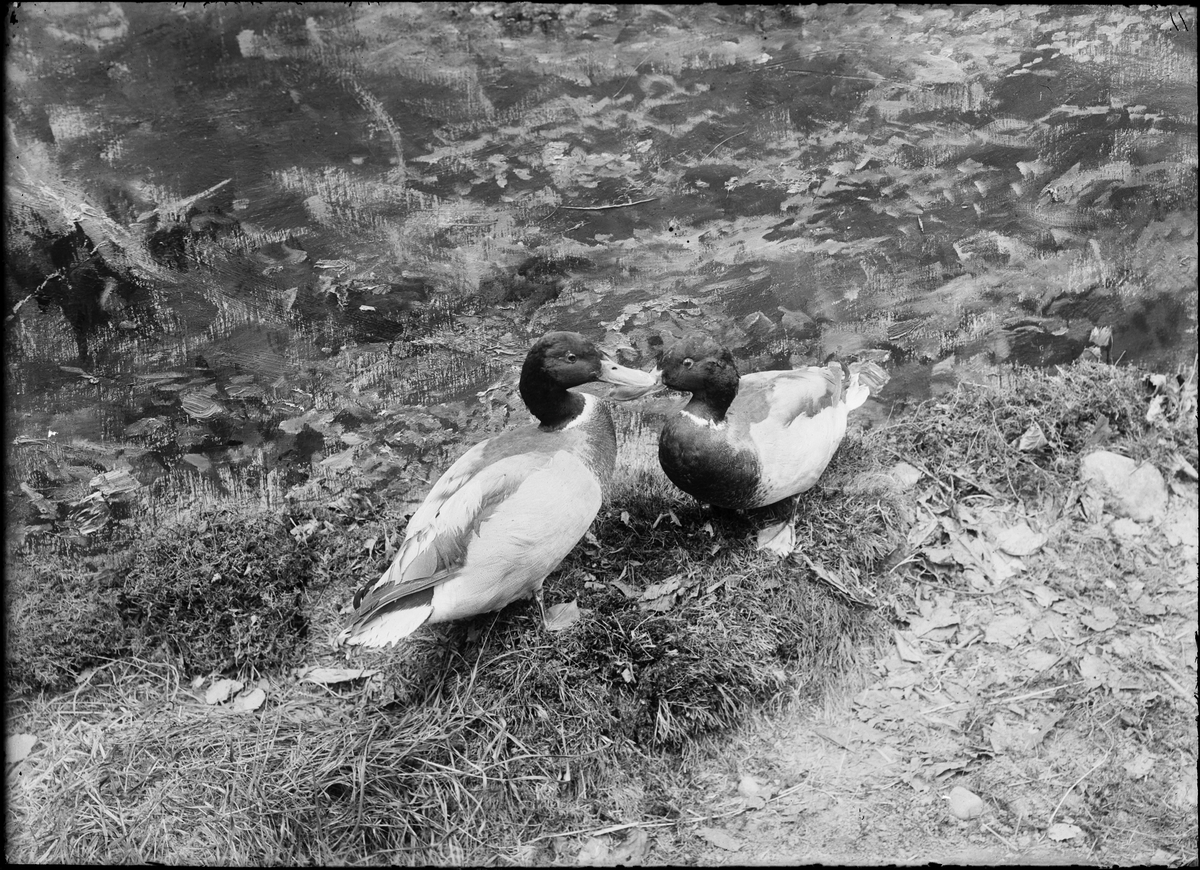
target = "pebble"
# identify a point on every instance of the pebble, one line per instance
(1129, 489)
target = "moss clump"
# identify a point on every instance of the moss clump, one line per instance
(222, 589)
(63, 616)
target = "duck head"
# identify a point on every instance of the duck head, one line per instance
(561, 360)
(702, 367)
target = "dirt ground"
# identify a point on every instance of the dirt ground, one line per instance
(1064, 701)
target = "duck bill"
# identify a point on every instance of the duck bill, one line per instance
(630, 383)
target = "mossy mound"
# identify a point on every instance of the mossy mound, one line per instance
(221, 590)
(63, 616)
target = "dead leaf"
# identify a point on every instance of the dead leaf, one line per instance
(624, 588)
(1141, 766)
(907, 647)
(330, 676)
(661, 596)
(779, 539)
(1020, 540)
(941, 617)
(1093, 669)
(594, 853)
(720, 839)
(723, 581)
(1004, 566)
(1148, 606)
(1007, 630)
(1032, 438)
(222, 690)
(918, 535)
(939, 555)
(18, 746)
(249, 702)
(1039, 661)
(1044, 595)
(1062, 831)
(632, 852)
(562, 616)
(944, 767)
(1101, 619)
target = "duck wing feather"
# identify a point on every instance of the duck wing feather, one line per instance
(784, 396)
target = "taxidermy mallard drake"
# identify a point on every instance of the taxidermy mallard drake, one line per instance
(751, 441)
(503, 516)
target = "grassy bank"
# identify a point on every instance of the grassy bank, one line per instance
(493, 740)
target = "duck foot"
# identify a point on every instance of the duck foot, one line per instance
(537, 595)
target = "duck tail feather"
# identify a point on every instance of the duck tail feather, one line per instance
(383, 622)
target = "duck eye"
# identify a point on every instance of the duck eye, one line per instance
(571, 357)
(687, 363)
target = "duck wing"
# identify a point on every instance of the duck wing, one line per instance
(480, 487)
(784, 396)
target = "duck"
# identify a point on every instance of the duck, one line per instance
(754, 440)
(505, 513)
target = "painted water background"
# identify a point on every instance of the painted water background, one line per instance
(297, 249)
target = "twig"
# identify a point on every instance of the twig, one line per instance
(1010, 846)
(995, 701)
(722, 142)
(1038, 692)
(612, 829)
(1174, 684)
(607, 207)
(1071, 788)
(979, 485)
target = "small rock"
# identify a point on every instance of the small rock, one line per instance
(759, 325)
(1129, 489)
(905, 475)
(1125, 528)
(797, 322)
(965, 804)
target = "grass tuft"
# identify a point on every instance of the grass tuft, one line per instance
(221, 590)
(1085, 406)
(64, 614)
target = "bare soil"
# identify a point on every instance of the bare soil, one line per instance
(1078, 736)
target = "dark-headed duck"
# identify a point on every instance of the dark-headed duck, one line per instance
(751, 441)
(503, 516)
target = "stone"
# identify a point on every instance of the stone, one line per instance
(1129, 489)
(759, 325)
